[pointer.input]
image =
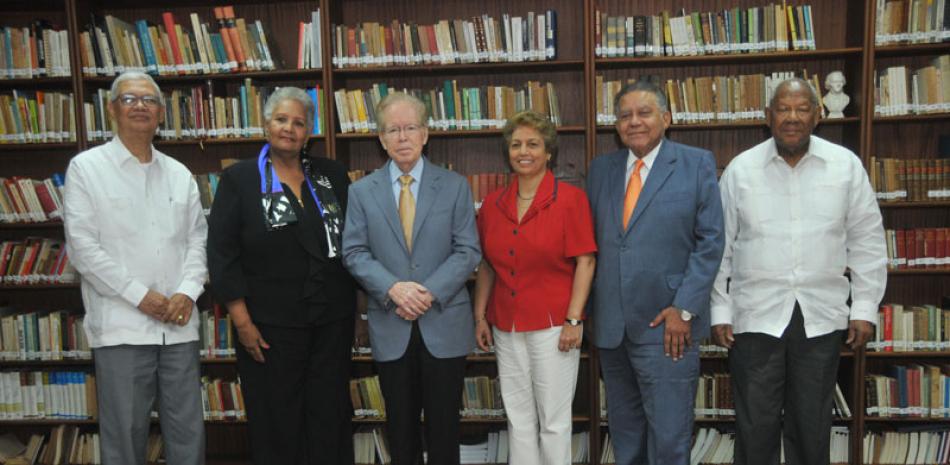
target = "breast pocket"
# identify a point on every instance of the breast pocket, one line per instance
(829, 201)
(117, 218)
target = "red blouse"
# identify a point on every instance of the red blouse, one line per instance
(534, 260)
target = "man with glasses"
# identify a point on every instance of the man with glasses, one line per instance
(136, 232)
(410, 240)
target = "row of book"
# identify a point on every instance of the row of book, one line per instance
(36, 117)
(367, 398)
(215, 333)
(110, 45)
(910, 179)
(371, 447)
(31, 200)
(705, 99)
(222, 400)
(917, 248)
(310, 42)
(902, 90)
(35, 260)
(481, 398)
(483, 184)
(46, 335)
(451, 107)
(921, 391)
(480, 39)
(207, 186)
(66, 395)
(39, 50)
(714, 398)
(931, 446)
(769, 28)
(911, 21)
(66, 445)
(197, 113)
(911, 328)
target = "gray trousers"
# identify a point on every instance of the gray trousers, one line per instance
(792, 373)
(128, 379)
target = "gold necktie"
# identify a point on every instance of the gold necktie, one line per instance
(633, 193)
(407, 208)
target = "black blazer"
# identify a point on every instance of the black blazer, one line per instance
(284, 275)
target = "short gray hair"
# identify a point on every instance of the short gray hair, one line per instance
(397, 97)
(134, 76)
(290, 93)
(786, 84)
(642, 85)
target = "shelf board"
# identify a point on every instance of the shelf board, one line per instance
(37, 82)
(524, 66)
(922, 271)
(39, 287)
(868, 419)
(46, 422)
(912, 49)
(912, 118)
(363, 358)
(89, 362)
(917, 204)
(468, 420)
(54, 224)
(912, 354)
(316, 74)
(739, 124)
(456, 133)
(39, 146)
(731, 58)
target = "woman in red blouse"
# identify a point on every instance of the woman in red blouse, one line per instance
(538, 250)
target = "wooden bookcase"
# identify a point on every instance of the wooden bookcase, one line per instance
(844, 33)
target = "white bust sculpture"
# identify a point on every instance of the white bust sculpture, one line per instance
(835, 100)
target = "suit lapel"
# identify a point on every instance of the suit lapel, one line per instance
(428, 193)
(618, 186)
(661, 170)
(383, 194)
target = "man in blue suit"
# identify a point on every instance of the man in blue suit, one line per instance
(410, 240)
(659, 228)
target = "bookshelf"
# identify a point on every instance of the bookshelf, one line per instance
(844, 34)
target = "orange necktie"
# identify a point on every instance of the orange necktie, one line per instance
(633, 193)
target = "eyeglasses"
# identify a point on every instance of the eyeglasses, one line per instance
(409, 130)
(130, 100)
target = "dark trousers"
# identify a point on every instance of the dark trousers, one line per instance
(298, 404)
(792, 373)
(418, 382)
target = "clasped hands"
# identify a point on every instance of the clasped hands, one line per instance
(412, 299)
(175, 310)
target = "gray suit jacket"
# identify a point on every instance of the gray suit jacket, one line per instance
(445, 252)
(669, 254)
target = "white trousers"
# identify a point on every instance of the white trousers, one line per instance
(537, 387)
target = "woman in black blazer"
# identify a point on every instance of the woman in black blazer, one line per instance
(274, 241)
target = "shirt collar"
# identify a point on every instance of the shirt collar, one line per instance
(120, 154)
(647, 160)
(772, 155)
(415, 172)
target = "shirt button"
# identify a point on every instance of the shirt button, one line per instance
(512, 293)
(515, 232)
(511, 252)
(512, 272)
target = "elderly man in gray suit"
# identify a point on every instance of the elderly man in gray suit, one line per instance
(410, 240)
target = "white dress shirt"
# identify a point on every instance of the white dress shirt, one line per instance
(415, 172)
(791, 233)
(131, 227)
(647, 164)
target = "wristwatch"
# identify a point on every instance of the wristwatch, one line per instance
(685, 315)
(573, 322)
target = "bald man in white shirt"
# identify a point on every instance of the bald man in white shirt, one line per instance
(136, 232)
(799, 211)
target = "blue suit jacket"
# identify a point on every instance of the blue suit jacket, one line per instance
(444, 254)
(669, 253)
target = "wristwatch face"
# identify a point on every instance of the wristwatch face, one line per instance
(686, 316)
